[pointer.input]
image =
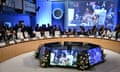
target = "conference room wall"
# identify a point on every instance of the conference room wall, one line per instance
(20, 48)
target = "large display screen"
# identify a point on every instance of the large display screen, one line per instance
(91, 12)
(95, 56)
(63, 57)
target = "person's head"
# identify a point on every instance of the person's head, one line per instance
(87, 9)
(111, 5)
(37, 25)
(48, 25)
(62, 54)
(76, 4)
(69, 30)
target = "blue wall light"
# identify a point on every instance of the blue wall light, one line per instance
(44, 13)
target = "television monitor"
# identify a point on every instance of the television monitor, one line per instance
(60, 57)
(95, 56)
(89, 13)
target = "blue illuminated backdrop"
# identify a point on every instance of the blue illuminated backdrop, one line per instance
(44, 13)
(58, 13)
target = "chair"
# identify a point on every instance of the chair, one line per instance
(47, 34)
(57, 33)
(38, 35)
(113, 35)
(118, 39)
(20, 35)
(11, 42)
(26, 36)
(2, 44)
(0, 34)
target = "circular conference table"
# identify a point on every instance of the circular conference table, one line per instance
(23, 47)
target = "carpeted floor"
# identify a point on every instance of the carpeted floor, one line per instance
(27, 63)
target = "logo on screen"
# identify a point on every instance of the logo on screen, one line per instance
(57, 13)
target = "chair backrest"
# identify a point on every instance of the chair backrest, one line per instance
(119, 35)
(2, 44)
(20, 35)
(113, 34)
(26, 34)
(57, 33)
(0, 34)
(12, 42)
(108, 33)
(47, 34)
(37, 34)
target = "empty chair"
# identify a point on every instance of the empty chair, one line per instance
(47, 34)
(37, 34)
(11, 42)
(2, 44)
(57, 33)
(20, 35)
(113, 35)
(26, 35)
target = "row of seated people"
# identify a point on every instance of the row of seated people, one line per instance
(22, 34)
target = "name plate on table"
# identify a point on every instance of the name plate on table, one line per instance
(112, 38)
(11, 42)
(91, 36)
(27, 39)
(71, 35)
(64, 36)
(106, 37)
(81, 35)
(18, 41)
(2, 44)
(98, 37)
